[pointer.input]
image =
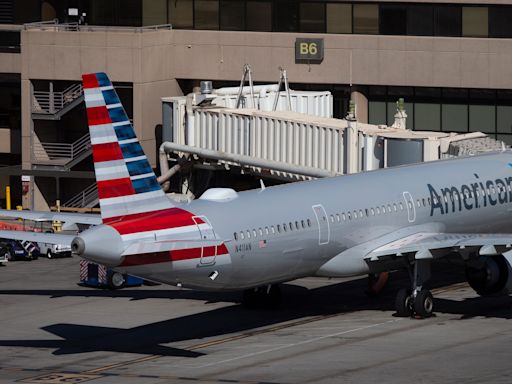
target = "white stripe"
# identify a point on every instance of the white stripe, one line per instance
(103, 133)
(92, 94)
(111, 173)
(137, 177)
(94, 103)
(106, 88)
(110, 106)
(119, 123)
(128, 141)
(130, 159)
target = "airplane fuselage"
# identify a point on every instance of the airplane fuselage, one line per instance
(285, 232)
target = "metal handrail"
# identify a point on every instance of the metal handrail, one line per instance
(58, 151)
(54, 25)
(52, 102)
(87, 196)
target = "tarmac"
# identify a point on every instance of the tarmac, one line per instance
(327, 331)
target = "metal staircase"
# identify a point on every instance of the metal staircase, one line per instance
(88, 198)
(51, 105)
(60, 155)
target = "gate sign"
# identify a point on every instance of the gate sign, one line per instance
(309, 51)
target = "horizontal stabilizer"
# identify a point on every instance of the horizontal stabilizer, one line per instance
(51, 238)
(77, 218)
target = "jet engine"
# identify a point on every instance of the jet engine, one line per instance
(490, 275)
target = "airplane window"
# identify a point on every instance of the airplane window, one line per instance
(401, 206)
(338, 217)
(377, 210)
(418, 203)
(409, 204)
(260, 231)
(309, 223)
(332, 218)
(241, 235)
(360, 213)
(428, 200)
(297, 225)
(303, 224)
(284, 227)
(343, 216)
(389, 208)
(254, 232)
(383, 209)
(273, 229)
(266, 231)
(278, 228)
(372, 211)
(235, 236)
(348, 216)
(366, 212)
(354, 214)
(423, 201)
(248, 234)
(394, 206)
(291, 226)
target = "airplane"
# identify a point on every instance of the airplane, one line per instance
(351, 225)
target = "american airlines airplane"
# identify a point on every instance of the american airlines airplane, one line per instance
(359, 224)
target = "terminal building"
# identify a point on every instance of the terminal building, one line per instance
(451, 63)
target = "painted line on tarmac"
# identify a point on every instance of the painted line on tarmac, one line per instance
(304, 342)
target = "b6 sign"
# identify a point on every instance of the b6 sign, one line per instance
(309, 51)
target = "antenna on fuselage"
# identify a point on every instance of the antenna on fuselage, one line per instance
(262, 185)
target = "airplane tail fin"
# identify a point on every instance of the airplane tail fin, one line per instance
(126, 182)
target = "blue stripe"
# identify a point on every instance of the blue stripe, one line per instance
(117, 115)
(131, 150)
(110, 97)
(103, 79)
(147, 184)
(125, 132)
(139, 167)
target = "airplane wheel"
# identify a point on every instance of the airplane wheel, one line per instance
(404, 303)
(424, 303)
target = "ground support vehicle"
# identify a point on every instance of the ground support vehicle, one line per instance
(97, 275)
(54, 250)
(18, 250)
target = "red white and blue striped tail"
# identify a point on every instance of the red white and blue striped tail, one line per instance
(126, 182)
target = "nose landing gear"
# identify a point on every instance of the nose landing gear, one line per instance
(416, 301)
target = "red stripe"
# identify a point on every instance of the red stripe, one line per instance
(152, 221)
(146, 258)
(106, 152)
(90, 81)
(98, 115)
(115, 188)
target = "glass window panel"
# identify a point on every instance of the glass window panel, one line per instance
(154, 12)
(447, 20)
(475, 21)
(454, 118)
(427, 117)
(377, 112)
(366, 19)
(409, 110)
(420, 20)
(482, 118)
(181, 14)
(504, 119)
(232, 15)
(129, 13)
(339, 18)
(499, 21)
(312, 17)
(259, 16)
(206, 14)
(393, 19)
(101, 12)
(25, 11)
(286, 16)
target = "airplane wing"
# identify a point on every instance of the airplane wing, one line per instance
(427, 245)
(51, 238)
(77, 218)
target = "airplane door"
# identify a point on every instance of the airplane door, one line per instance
(208, 253)
(323, 224)
(411, 209)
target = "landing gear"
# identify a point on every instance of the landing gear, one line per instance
(416, 301)
(262, 297)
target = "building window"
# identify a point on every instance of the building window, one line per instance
(499, 21)
(259, 16)
(393, 19)
(475, 21)
(338, 18)
(206, 14)
(312, 17)
(447, 20)
(154, 12)
(420, 20)
(366, 19)
(232, 15)
(286, 16)
(181, 14)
